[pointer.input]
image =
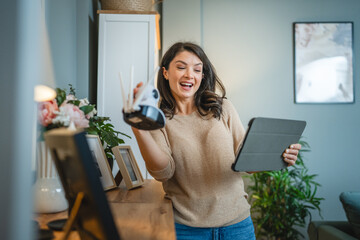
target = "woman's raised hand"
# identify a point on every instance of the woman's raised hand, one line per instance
(136, 89)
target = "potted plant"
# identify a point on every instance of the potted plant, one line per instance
(282, 200)
(89, 121)
(66, 110)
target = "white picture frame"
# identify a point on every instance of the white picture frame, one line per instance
(128, 166)
(101, 162)
(323, 59)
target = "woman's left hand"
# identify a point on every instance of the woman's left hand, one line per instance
(290, 154)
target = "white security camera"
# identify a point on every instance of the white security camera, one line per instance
(142, 112)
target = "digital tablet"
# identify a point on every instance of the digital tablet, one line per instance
(264, 143)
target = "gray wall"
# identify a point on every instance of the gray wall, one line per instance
(61, 25)
(250, 44)
(19, 65)
(73, 39)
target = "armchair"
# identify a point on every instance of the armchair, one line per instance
(340, 230)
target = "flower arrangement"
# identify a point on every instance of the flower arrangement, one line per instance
(67, 109)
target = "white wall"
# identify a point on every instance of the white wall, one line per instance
(250, 44)
(181, 21)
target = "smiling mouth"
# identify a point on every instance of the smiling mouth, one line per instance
(186, 84)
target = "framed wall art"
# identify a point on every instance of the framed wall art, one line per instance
(323, 53)
(128, 166)
(101, 163)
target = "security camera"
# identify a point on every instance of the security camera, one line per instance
(141, 111)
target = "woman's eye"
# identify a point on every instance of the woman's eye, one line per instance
(181, 67)
(197, 70)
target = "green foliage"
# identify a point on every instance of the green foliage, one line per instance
(108, 135)
(72, 90)
(60, 96)
(100, 126)
(281, 200)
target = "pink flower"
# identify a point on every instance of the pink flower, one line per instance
(46, 112)
(71, 113)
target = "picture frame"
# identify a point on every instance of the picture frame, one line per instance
(128, 166)
(323, 62)
(101, 164)
(89, 209)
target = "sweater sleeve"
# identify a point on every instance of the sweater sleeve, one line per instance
(162, 141)
(234, 124)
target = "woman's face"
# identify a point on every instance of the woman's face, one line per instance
(184, 75)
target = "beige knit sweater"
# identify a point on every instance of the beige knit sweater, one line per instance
(205, 192)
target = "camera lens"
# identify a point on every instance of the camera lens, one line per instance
(155, 94)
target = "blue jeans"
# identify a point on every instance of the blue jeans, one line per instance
(243, 230)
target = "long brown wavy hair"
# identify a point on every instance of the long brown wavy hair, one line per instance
(206, 100)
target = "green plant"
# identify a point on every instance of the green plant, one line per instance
(108, 135)
(282, 200)
(67, 108)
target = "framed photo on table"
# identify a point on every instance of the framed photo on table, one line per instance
(101, 163)
(128, 166)
(323, 59)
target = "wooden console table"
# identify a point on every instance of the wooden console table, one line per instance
(141, 213)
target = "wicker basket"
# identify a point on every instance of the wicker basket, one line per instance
(127, 5)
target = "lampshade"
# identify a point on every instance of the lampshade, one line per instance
(43, 93)
(44, 90)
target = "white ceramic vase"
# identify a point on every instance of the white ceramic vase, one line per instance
(49, 195)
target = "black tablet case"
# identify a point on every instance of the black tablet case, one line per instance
(264, 143)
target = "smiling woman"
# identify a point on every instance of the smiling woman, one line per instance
(184, 76)
(184, 67)
(186, 155)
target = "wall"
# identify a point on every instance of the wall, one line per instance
(73, 39)
(61, 24)
(250, 44)
(19, 65)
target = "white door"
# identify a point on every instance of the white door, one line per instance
(124, 40)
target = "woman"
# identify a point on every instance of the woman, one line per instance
(193, 153)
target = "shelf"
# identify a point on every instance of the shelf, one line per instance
(125, 12)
